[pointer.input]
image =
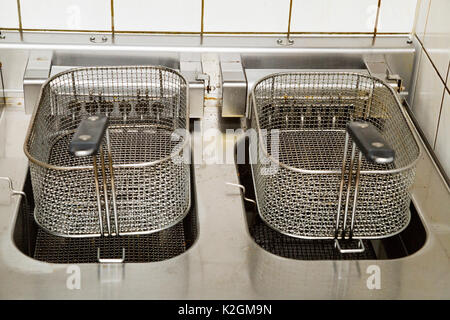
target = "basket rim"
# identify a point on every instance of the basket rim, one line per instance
(77, 69)
(311, 171)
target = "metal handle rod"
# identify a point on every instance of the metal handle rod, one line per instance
(341, 187)
(110, 260)
(355, 198)
(105, 191)
(113, 185)
(349, 185)
(11, 188)
(26, 225)
(243, 190)
(359, 249)
(97, 191)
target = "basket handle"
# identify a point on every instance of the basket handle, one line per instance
(89, 135)
(370, 142)
(359, 249)
(87, 141)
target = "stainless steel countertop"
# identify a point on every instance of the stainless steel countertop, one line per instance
(224, 262)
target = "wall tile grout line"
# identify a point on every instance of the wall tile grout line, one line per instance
(418, 6)
(202, 22)
(208, 32)
(289, 19)
(112, 17)
(375, 28)
(19, 13)
(432, 63)
(440, 109)
(202, 26)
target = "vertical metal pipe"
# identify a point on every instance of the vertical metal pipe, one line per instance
(349, 185)
(97, 189)
(341, 187)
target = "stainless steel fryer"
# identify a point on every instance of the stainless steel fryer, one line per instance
(308, 182)
(135, 182)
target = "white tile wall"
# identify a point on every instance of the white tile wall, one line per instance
(66, 14)
(428, 98)
(246, 15)
(219, 15)
(421, 18)
(156, 15)
(333, 16)
(9, 17)
(437, 35)
(397, 16)
(431, 104)
(442, 147)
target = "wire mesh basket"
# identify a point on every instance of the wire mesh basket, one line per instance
(134, 183)
(319, 187)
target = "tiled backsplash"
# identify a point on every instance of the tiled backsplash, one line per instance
(57, 14)
(211, 16)
(428, 19)
(431, 104)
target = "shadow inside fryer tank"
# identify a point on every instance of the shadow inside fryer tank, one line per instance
(36, 243)
(407, 242)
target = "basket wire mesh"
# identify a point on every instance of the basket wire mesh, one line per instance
(135, 168)
(316, 169)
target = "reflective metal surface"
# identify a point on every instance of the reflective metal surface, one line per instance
(36, 74)
(234, 89)
(225, 262)
(297, 179)
(143, 104)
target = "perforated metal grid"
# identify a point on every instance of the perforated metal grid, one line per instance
(310, 111)
(145, 105)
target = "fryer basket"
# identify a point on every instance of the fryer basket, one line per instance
(304, 169)
(141, 176)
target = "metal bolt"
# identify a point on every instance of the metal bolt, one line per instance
(280, 41)
(84, 137)
(290, 41)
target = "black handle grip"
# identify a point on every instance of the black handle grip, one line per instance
(89, 135)
(370, 142)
